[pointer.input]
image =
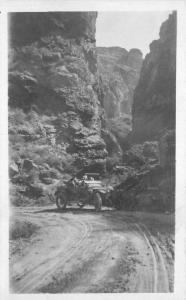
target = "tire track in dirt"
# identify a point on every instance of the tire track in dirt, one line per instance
(127, 228)
(155, 267)
(48, 267)
(161, 283)
(89, 266)
(160, 274)
(113, 268)
(164, 283)
(90, 252)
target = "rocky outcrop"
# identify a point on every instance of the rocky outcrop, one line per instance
(154, 97)
(120, 71)
(55, 111)
(154, 125)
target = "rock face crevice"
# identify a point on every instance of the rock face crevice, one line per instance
(55, 110)
(120, 71)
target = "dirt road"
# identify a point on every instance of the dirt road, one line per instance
(80, 251)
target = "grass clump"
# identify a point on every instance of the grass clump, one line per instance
(22, 229)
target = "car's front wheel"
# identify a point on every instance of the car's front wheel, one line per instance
(61, 201)
(97, 201)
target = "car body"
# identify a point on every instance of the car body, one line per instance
(88, 189)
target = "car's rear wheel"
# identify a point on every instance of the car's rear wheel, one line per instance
(97, 201)
(61, 201)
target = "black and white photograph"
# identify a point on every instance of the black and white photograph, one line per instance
(91, 151)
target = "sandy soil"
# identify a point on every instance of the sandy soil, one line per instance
(81, 251)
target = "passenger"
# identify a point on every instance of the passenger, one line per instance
(75, 181)
(85, 177)
(70, 185)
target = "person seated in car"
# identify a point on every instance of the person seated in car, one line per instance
(85, 177)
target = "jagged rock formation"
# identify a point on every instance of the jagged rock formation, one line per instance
(154, 121)
(154, 97)
(55, 111)
(120, 72)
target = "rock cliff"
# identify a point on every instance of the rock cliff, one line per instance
(120, 72)
(55, 109)
(154, 97)
(153, 117)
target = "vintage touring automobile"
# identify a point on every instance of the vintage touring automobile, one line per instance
(86, 190)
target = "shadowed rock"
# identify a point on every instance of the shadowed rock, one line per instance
(120, 72)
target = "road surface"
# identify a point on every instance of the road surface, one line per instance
(81, 251)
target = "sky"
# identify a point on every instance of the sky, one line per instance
(129, 29)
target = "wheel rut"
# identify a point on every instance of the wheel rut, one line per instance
(36, 276)
(86, 251)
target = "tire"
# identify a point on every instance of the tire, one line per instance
(80, 204)
(61, 201)
(97, 201)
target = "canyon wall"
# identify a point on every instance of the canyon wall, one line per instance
(154, 97)
(153, 118)
(56, 114)
(119, 70)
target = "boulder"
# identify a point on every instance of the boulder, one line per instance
(34, 191)
(28, 165)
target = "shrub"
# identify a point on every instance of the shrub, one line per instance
(22, 229)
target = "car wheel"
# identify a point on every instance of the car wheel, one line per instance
(80, 204)
(61, 201)
(97, 201)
